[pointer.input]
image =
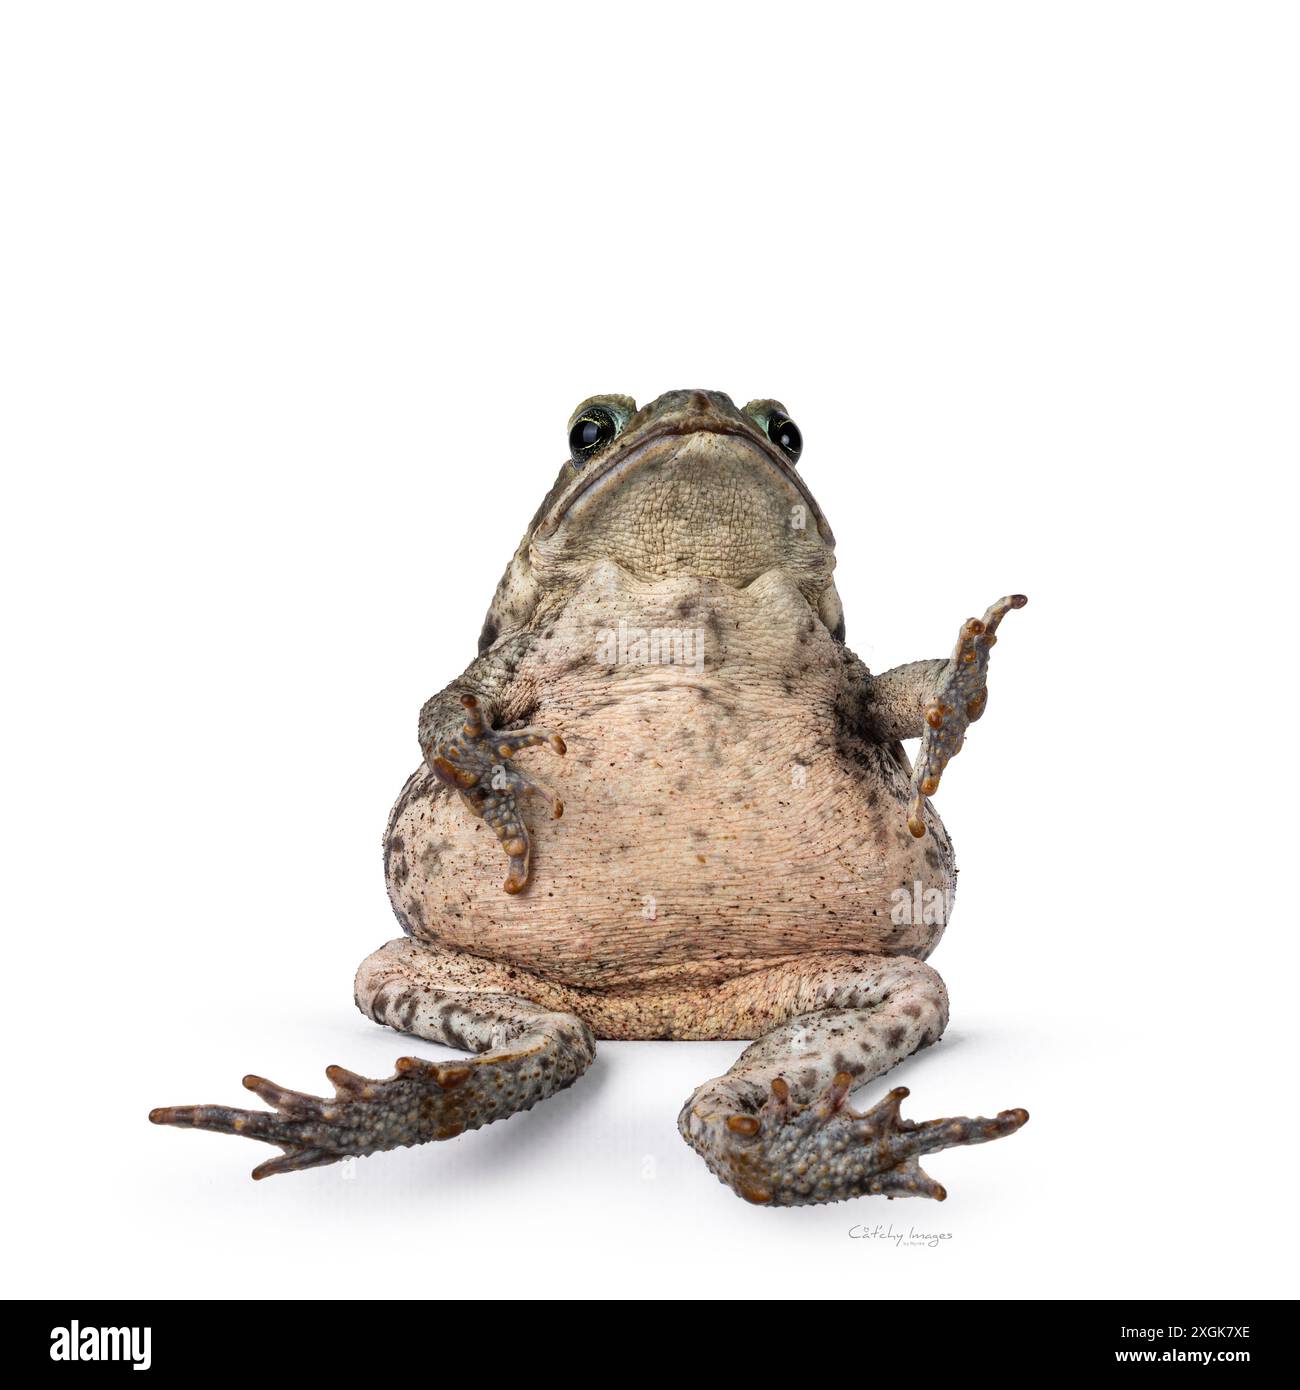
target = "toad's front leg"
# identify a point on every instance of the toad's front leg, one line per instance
(467, 753)
(939, 701)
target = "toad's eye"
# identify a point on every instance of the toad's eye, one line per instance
(784, 433)
(592, 430)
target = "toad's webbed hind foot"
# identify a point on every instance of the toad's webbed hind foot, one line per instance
(957, 702)
(364, 1116)
(476, 762)
(792, 1155)
(528, 1054)
(776, 1129)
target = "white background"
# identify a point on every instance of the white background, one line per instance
(296, 302)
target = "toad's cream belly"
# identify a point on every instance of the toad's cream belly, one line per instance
(709, 828)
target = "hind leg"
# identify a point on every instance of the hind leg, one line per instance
(776, 1128)
(526, 1053)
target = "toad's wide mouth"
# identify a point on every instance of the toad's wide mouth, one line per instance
(622, 461)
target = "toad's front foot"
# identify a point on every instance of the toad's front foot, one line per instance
(957, 702)
(790, 1155)
(476, 761)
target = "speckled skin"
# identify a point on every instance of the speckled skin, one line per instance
(736, 824)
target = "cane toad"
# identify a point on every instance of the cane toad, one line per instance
(729, 830)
